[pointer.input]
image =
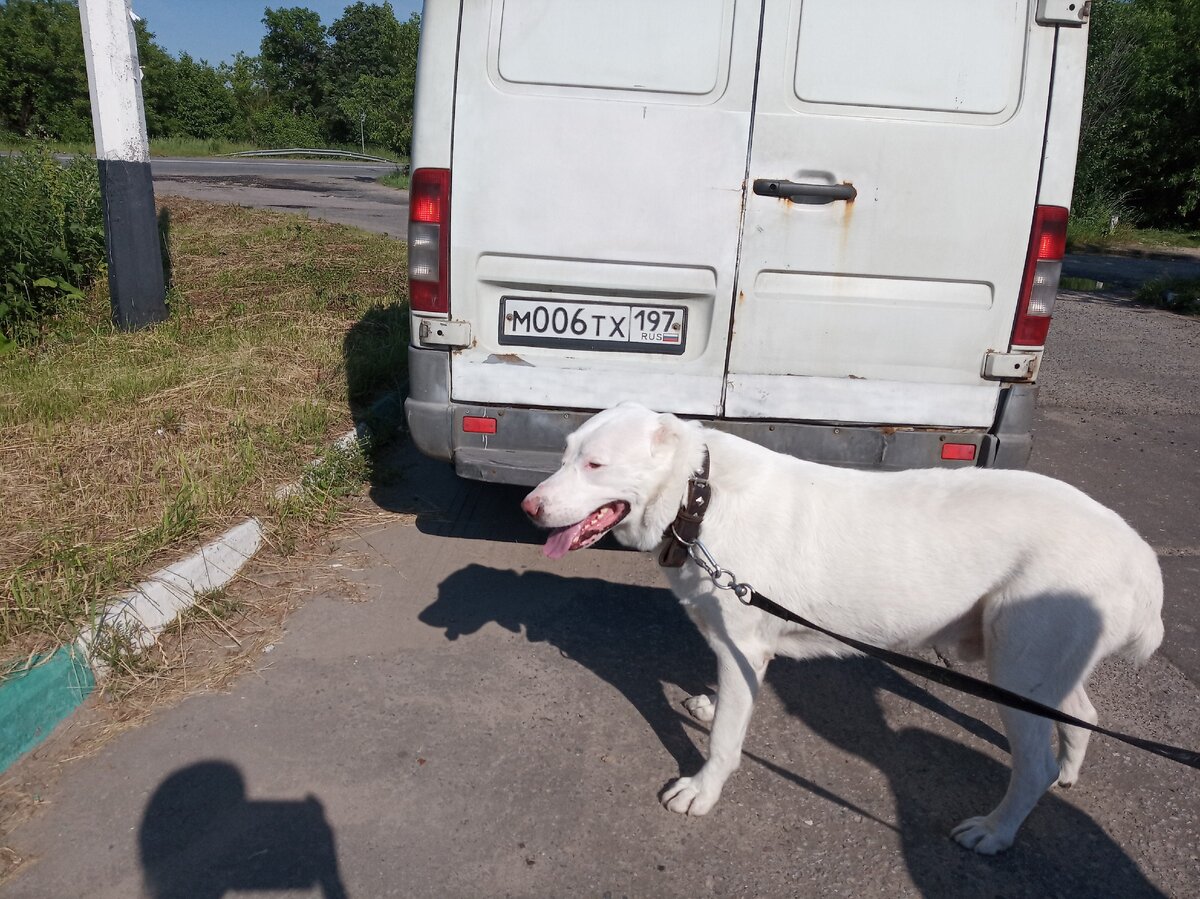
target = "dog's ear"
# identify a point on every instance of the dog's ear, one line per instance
(666, 434)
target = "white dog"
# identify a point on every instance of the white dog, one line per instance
(1021, 569)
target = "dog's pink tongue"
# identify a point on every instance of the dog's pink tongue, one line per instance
(559, 542)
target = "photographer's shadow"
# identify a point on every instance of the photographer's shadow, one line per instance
(635, 638)
(201, 837)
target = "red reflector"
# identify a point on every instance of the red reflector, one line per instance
(478, 424)
(958, 452)
(428, 195)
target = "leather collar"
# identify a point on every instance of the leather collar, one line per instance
(685, 529)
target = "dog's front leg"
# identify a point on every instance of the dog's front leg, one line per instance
(739, 676)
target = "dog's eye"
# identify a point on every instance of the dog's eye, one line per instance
(593, 464)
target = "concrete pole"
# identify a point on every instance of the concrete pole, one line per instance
(135, 270)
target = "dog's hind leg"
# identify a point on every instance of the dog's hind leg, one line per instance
(1073, 741)
(739, 677)
(1040, 646)
(1033, 771)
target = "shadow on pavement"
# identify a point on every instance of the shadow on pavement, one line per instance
(201, 837)
(632, 638)
(937, 782)
(446, 505)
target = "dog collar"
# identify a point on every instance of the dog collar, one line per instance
(685, 529)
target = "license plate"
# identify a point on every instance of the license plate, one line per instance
(619, 327)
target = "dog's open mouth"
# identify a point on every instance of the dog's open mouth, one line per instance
(584, 533)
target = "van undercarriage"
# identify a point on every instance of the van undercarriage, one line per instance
(522, 445)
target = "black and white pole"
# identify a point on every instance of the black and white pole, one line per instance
(135, 269)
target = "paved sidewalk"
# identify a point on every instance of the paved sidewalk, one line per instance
(491, 723)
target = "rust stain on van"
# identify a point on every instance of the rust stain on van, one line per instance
(741, 297)
(847, 221)
(506, 359)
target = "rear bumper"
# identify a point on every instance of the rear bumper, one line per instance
(528, 442)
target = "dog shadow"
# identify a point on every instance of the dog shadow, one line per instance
(639, 639)
(201, 838)
(634, 638)
(938, 781)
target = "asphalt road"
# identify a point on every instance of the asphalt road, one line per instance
(1130, 271)
(474, 720)
(343, 192)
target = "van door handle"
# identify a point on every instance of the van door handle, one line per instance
(813, 193)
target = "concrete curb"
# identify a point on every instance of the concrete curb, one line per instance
(37, 696)
(140, 615)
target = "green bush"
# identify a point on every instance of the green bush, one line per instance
(1180, 295)
(279, 129)
(51, 240)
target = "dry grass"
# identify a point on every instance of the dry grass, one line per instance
(120, 449)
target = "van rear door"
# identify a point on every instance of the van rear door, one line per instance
(894, 170)
(599, 153)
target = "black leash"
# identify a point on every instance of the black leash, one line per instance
(683, 542)
(964, 683)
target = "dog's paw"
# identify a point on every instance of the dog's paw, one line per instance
(1068, 773)
(701, 707)
(982, 835)
(689, 796)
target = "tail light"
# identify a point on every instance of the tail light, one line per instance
(1043, 266)
(429, 240)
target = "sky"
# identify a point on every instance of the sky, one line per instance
(217, 29)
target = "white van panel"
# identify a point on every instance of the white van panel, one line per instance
(606, 188)
(588, 276)
(913, 282)
(940, 55)
(1066, 109)
(880, 318)
(433, 101)
(874, 402)
(616, 44)
(508, 379)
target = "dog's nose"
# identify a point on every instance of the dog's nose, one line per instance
(532, 505)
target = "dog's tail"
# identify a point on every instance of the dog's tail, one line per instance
(1146, 632)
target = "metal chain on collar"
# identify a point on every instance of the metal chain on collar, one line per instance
(721, 577)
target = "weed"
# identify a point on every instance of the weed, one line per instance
(51, 241)
(1180, 295)
(397, 178)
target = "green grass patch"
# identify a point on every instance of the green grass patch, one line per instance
(1091, 235)
(122, 450)
(1083, 284)
(1180, 295)
(398, 178)
(178, 146)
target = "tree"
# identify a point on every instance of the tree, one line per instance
(158, 83)
(248, 93)
(43, 79)
(371, 70)
(293, 55)
(1139, 149)
(204, 104)
(365, 44)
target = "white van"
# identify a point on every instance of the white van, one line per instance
(833, 227)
